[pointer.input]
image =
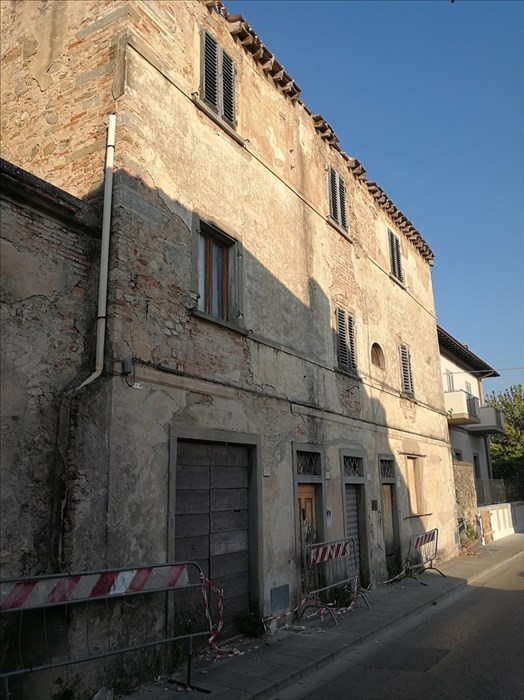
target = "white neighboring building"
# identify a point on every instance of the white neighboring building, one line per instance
(469, 420)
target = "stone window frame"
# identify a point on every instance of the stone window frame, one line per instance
(213, 104)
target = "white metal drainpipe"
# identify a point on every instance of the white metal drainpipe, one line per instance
(104, 254)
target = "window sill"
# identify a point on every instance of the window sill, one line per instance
(339, 228)
(220, 122)
(408, 397)
(218, 321)
(397, 281)
(353, 374)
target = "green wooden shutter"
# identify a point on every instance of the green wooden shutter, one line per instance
(342, 198)
(210, 71)
(342, 344)
(228, 88)
(333, 194)
(407, 376)
(396, 257)
(351, 342)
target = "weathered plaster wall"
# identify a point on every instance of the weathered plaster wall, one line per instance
(271, 198)
(47, 319)
(274, 376)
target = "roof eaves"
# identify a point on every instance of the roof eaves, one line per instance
(251, 43)
(464, 354)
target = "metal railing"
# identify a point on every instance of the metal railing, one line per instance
(472, 403)
(20, 597)
(490, 491)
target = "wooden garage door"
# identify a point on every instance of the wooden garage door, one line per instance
(211, 517)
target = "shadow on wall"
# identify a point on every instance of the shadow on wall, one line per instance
(97, 496)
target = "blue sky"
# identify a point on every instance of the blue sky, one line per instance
(429, 96)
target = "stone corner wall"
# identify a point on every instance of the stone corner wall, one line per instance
(466, 493)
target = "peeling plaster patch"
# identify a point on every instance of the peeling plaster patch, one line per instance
(159, 406)
(50, 46)
(232, 376)
(281, 450)
(195, 398)
(183, 214)
(279, 154)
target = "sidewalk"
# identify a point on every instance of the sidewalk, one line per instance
(267, 666)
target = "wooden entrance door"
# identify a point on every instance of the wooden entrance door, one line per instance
(307, 509)
(211, 517)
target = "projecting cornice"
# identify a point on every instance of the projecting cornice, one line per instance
(462, 353)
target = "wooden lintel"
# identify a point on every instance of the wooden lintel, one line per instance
(248, 39)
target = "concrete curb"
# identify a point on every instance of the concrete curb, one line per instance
(251, 677)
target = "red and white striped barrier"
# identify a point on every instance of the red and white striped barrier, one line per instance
(332, 550)
(422, 553)
(425, 538)
(45, 591)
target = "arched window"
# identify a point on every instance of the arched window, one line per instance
(377, 356)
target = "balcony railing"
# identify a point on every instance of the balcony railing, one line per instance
(490, 491)
(462, 408)
(491, 420)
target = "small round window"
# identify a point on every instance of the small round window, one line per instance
(377, 356)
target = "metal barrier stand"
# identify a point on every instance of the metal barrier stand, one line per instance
(330, 565)
(41, 592)
(422, 553)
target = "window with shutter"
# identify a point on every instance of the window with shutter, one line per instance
(337, 199)
(218, 79)
(395, 255)
(407, 376)
(345, 340)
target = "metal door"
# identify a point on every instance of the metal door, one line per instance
(352, 517)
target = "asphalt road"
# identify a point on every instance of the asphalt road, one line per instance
(469, 647)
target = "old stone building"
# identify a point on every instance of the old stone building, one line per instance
(272, 365)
